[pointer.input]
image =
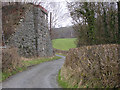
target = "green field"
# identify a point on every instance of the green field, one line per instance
(64, 44)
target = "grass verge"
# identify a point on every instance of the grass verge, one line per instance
(62, 83)
(65, 84)
(26, 64)
(38, 61)
(8, 73)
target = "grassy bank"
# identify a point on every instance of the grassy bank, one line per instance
(64, 44)
(9, 73)
(38, 61)
(25, 65)
(63, 83)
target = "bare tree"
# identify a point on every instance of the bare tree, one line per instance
(56, 9)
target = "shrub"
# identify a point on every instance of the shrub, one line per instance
(10, 59)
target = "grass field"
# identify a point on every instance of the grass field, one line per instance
(64, 44)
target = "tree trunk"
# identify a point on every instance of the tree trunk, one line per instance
(118, 22)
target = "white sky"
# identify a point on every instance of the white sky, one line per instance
(60, 0)
(64, 17)
(67, 19)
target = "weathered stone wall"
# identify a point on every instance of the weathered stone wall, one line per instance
(93, 66)
(32, 34)
(11, 16)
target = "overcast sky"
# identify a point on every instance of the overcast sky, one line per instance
(66, 20)
(64, 17)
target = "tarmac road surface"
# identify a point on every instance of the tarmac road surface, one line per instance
(43, 75)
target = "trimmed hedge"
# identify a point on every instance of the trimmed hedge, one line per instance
(93, 66)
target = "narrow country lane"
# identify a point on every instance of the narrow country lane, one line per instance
(39, 76)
